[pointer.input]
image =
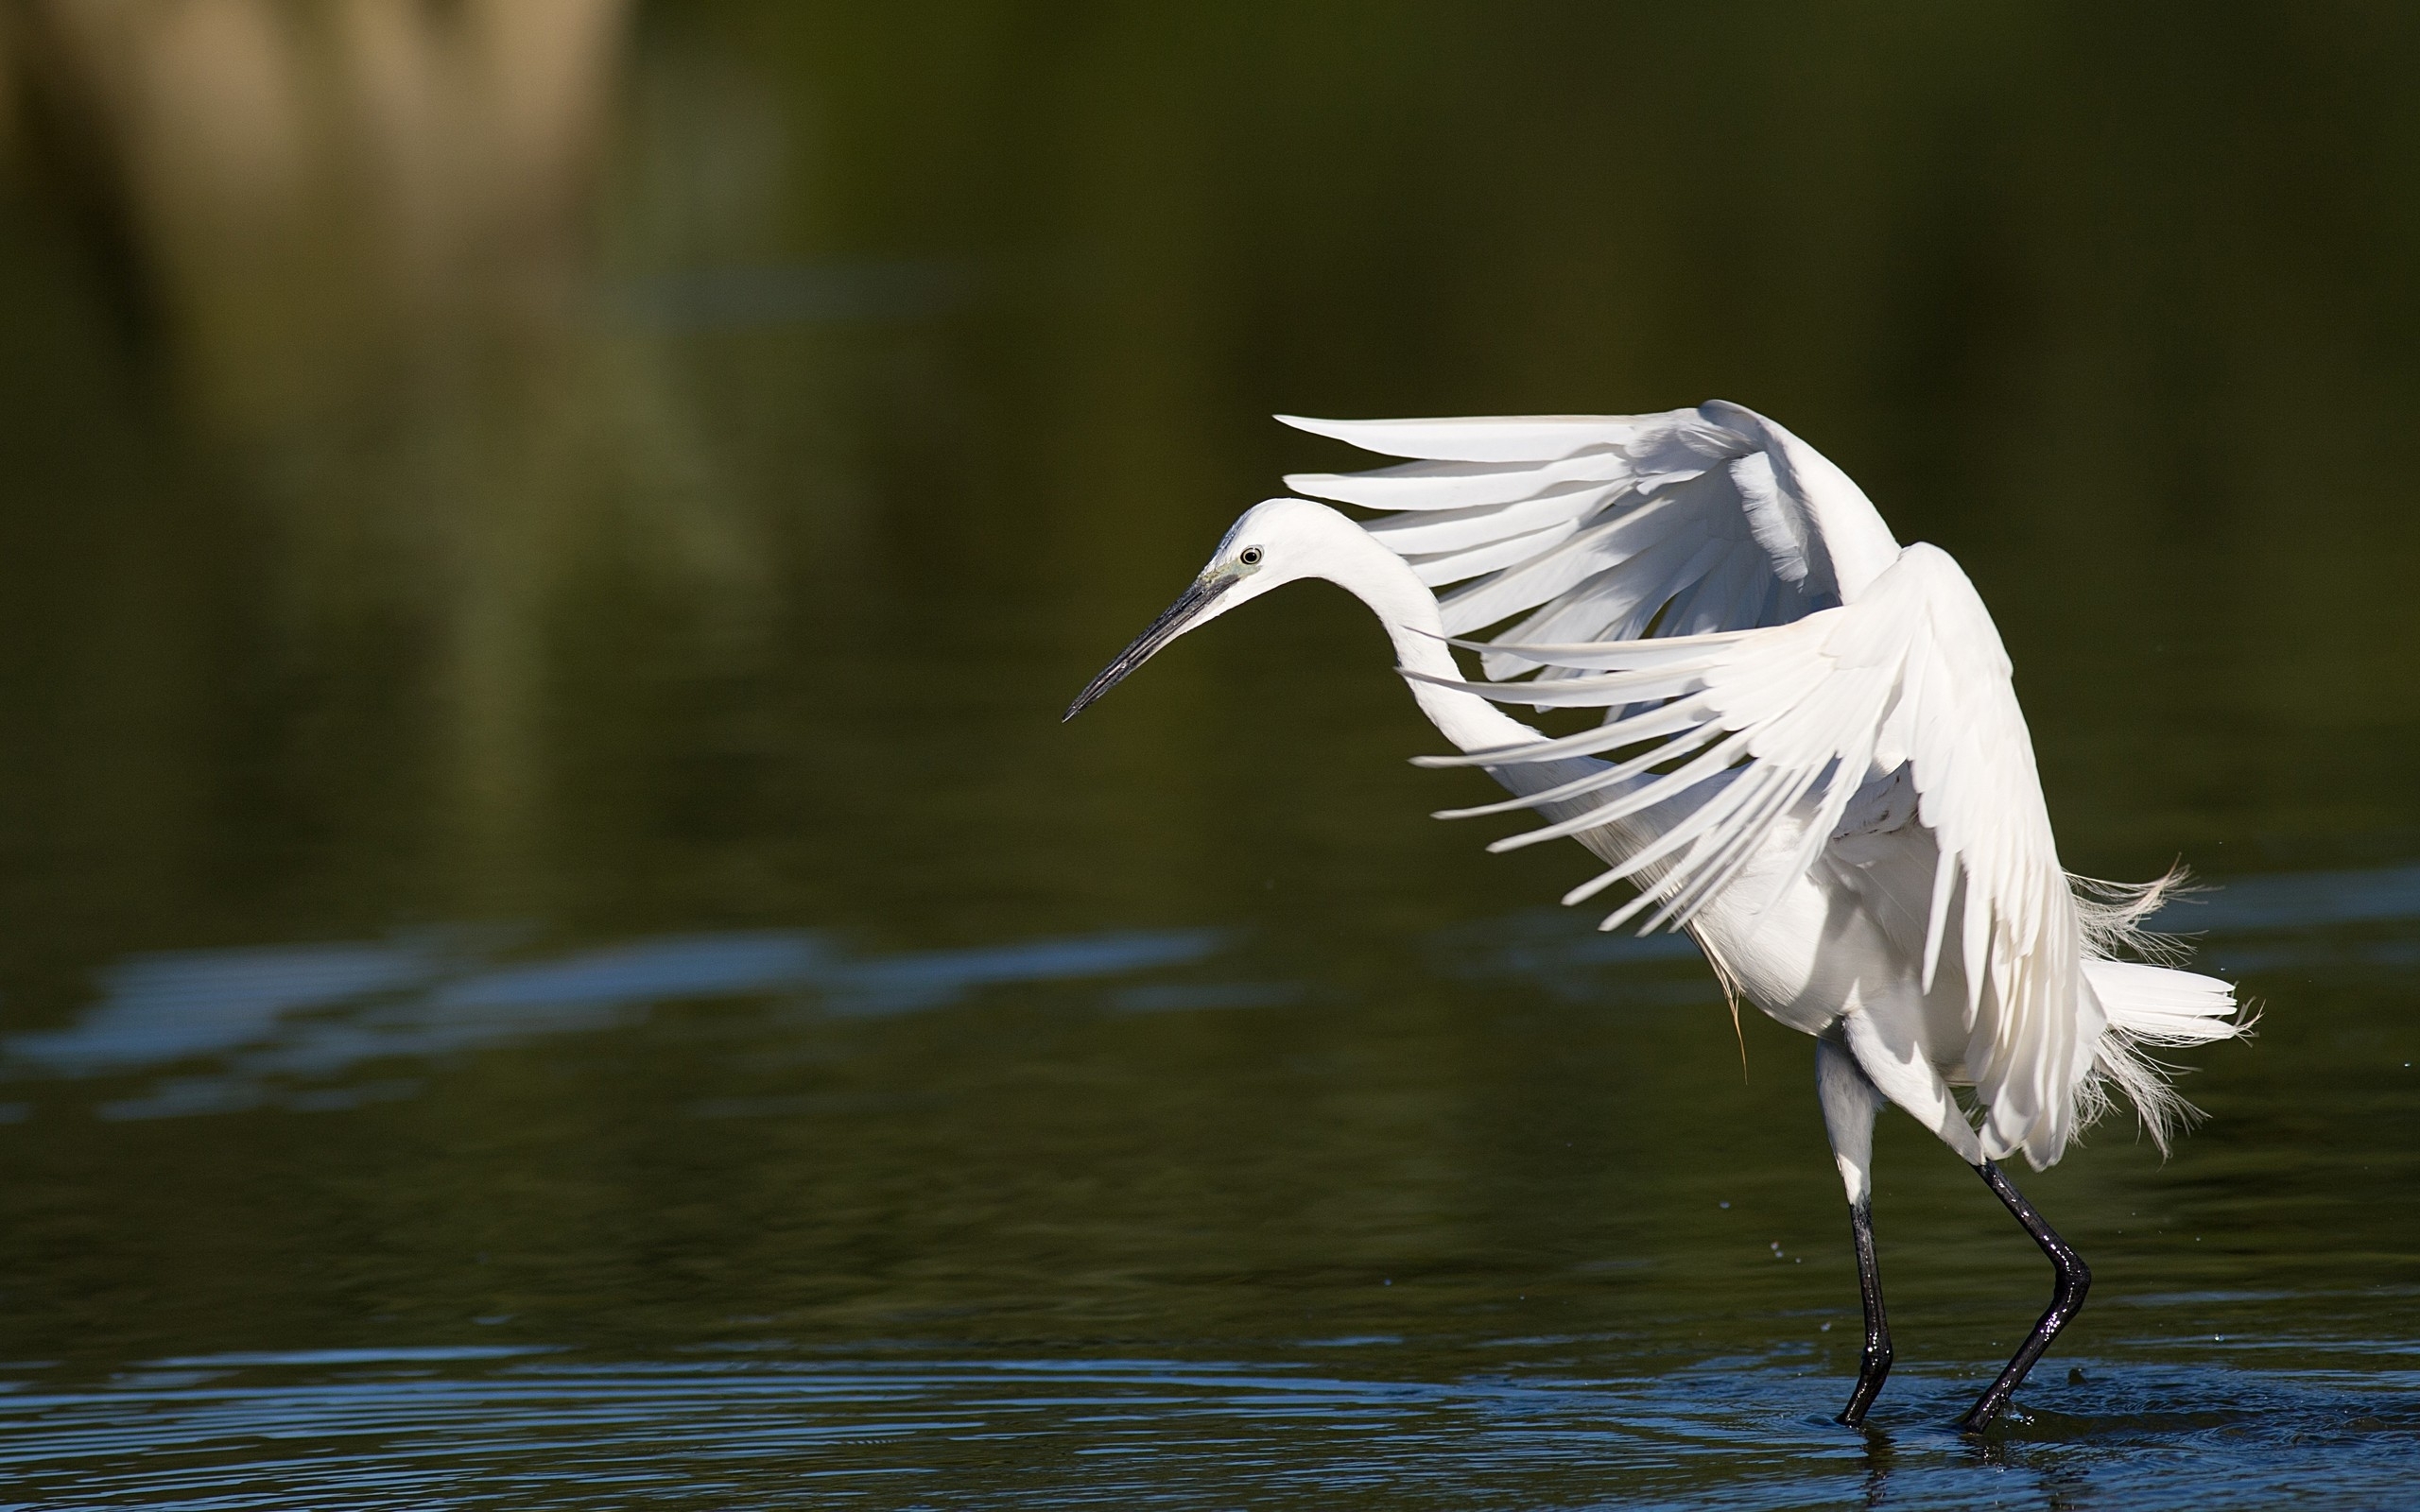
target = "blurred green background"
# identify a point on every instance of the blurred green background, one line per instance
(601, 471)
(565, 459)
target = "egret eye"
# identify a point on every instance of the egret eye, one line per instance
(1249, 556)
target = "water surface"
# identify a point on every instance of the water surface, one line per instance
(556, 953)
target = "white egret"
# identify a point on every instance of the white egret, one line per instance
(1811, 758)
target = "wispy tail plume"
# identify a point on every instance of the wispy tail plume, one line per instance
(2149, 1003)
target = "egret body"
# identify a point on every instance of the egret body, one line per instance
(1810, 756)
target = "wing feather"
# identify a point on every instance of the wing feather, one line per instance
(1609, 526)
(1760, 723)
(1424, 486)
(1482, 438)
(1429, 531)
(1511, 551)
(1657, 530)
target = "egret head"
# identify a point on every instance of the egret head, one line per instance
(1272, 543)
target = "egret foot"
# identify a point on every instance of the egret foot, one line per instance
(1874, 1365)
(2073, 1279)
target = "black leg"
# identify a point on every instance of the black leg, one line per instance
(1874, 1367)
(2072, 1280)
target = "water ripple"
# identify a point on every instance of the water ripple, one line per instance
(1739, 1434)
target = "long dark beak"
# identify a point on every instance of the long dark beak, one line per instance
(1170, 625)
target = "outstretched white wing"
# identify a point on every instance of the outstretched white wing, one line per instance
(1759, 724)
(1609, 527)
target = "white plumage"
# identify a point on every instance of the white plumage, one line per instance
(1811, 756)
(1736, 605)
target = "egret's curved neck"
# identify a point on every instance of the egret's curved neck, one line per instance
(1405, 605)
(1408, 608)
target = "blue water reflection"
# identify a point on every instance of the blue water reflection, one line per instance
(2300, 900)
(283, 1021)
(2304, 920)
(464, 1428)
(165, 1007)
(286, 1023)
